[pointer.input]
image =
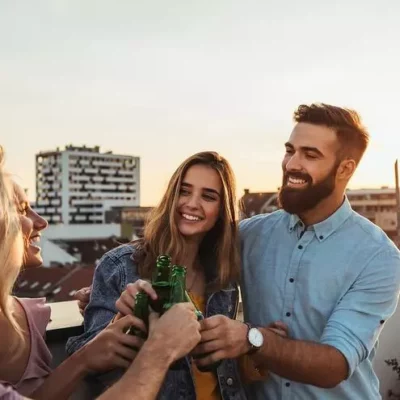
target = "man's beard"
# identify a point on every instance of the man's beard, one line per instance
(297, 201)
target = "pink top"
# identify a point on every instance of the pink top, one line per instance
(8, 393)
(38, 366)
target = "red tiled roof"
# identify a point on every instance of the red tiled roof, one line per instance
(54, 283)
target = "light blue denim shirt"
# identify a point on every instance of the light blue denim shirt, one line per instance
(334, 283)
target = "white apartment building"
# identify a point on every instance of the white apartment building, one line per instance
(78, 185)
(378, 205)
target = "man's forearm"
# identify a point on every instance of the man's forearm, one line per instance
(143, 379)
(306, 362)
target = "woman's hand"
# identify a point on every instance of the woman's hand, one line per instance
(113, 348)
(126, 302)
(83, 297)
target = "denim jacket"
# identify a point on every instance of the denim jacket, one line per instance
(115, 270)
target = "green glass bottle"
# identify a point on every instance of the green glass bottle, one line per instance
(140, 311)
(178, 286)
(161, 282)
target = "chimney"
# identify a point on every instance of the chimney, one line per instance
(246, 191)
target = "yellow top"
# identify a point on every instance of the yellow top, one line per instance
(206, 382)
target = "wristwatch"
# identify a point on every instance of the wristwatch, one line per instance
(255, 338)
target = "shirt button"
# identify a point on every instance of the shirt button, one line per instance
(321, 237)
(287, 384)
(291, 280)
(300, 247)
(288, 314)
(229, 381)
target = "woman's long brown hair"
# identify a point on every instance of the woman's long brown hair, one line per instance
(220, 246)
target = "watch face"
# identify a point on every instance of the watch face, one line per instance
(255, 337)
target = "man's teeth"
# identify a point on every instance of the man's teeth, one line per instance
(296, 181)
(35, 239)
(190, 217)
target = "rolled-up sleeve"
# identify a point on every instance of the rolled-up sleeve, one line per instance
(357, 320)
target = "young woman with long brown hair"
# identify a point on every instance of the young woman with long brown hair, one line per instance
(196, 224)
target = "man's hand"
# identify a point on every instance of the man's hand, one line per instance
(83, 297)
(280, 328)
(176, 333)
(113, 348)
(223, 338)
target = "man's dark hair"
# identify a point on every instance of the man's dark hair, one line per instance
(352, 135)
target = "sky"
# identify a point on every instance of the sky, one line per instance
(165, 79)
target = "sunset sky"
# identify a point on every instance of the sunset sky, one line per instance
(165, 79)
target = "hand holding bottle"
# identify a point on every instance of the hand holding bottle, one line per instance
(126, 302)
(176, 332)
(112, 348)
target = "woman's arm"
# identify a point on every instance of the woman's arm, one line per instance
(110, 349)
(109, 281)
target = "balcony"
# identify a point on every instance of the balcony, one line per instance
(67, 321)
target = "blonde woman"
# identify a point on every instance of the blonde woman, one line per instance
(24, 356)
(177, 329)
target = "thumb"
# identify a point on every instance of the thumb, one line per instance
(153, 318)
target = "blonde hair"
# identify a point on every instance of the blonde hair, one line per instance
(11, 249)
(219, 249)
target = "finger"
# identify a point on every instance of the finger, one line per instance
(208, 347)
(124, 309)
(210, 359)
(128, 298)
(280, 325)
(128, 353)
(209, 335)
(131, 341)
(121, 362)
(127, 321)
(153, 318)
(279, 332)
(141, 286)
(82, 295)
(187, 306)
(81, 305)
(210, 322)
(118, 317)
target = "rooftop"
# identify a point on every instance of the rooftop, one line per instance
(57, 284)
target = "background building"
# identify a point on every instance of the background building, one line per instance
(78, 185)
(377, 205)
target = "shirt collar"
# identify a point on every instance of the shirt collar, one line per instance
(326, 227)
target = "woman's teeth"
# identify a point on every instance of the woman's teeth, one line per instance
(190, 217)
